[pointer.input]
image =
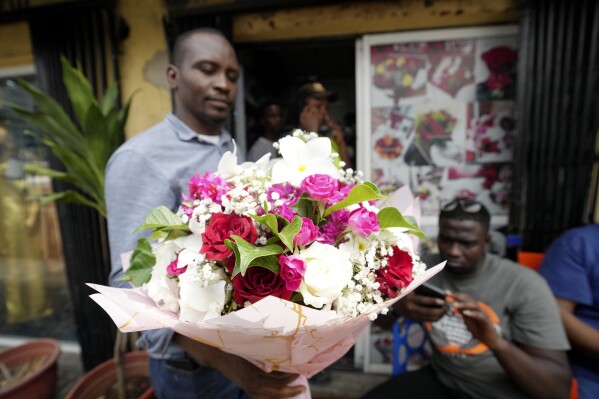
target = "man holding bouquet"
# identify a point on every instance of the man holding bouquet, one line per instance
(496, 333)
(153, 169)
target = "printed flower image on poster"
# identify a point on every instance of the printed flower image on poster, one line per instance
(439, 134)
(491, 131)
(488, 184)
(451, 71)
(398, 74)
(495, 70)
(392, 135)
(426, 185)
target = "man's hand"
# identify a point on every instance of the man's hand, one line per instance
(421, 308)
(255, 382)
(476, 320)
(311, 118)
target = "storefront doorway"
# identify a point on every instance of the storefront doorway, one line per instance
(34, 298)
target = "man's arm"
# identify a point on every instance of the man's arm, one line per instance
(541, 373)
(255, 382)
(583, 338)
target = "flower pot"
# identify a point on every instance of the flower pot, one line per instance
(39, 357)
(101, 378)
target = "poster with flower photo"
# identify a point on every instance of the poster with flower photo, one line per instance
(451, 70)
(495, 70)
(441, 114)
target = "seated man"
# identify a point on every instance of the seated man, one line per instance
(497, 333)
(571, 268)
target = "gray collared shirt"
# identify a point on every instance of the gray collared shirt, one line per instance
(149, 170)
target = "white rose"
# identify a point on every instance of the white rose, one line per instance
(198, 302)
(328, 271)
(162, 289)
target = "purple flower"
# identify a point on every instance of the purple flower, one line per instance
(208, 186)
(363, 222)
(320, 187)
(292, 270)
(331, 230)
(287, 193)
(307, 234)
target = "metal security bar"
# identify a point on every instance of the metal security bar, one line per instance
(558, 118)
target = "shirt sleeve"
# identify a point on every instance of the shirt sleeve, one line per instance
(132, 189)
(564, 270)
(535, 318)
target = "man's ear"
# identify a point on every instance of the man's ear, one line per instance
(172, 75)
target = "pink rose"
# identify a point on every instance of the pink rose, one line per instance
(363, 222)
(292, 270)
(221, 228)
(397, 274)
(320, 187)
(307, 234)
(259, 282)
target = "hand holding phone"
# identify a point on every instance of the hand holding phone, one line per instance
(426, 289)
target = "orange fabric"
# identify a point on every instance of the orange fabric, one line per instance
(530, 259)
(574, 390)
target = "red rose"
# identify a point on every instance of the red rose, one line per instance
(221, 228)
(259, 282)
(397, 274)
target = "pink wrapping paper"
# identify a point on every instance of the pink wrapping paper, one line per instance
(273, 334)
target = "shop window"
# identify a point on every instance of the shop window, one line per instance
(34, 298)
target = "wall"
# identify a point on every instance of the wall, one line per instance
(15, 45)
(142, 63)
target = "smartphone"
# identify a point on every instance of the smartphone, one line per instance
(427, 289)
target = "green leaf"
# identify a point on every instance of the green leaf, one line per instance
(68, 196)
(304, 206)
(43, 171)
(391, 217)
(270, 262)
(358, 194)
(79, 90)
(142, 262)
(286, 235)
(161, 218)
(247, 254)
(269, 220)
(108, 101)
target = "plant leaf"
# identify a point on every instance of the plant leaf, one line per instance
(108, 101)
(286, 235)
(161, 218)
(269, 220)
(141, 264)
(304, 206)
(358, 194)
(391, 217)
(79, 90)
(270, 262)
(246, 253)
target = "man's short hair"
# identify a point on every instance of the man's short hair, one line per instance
(267, 103)
(466, 209)
(179, 47)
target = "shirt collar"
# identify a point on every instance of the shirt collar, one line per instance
(185, 133)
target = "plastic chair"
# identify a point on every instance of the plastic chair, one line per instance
(531, 259)
(403, 349)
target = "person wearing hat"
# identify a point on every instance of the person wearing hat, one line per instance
(312, 107)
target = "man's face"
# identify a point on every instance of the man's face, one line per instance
(205, 82)
(462, 243)
(320, 104)
(272, 118)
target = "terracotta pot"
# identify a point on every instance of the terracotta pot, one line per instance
(99, 379)
(42, 381)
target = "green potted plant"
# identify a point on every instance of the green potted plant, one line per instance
(83, 146)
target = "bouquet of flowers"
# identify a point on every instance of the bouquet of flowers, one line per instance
(403, 75)
(283, 262)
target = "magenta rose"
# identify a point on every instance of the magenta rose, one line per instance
(307, 234)
(363, 222)
(292, 270)
(397, 274)
(320, 187)
(259, 282)
(173, 270)
(221, 228)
